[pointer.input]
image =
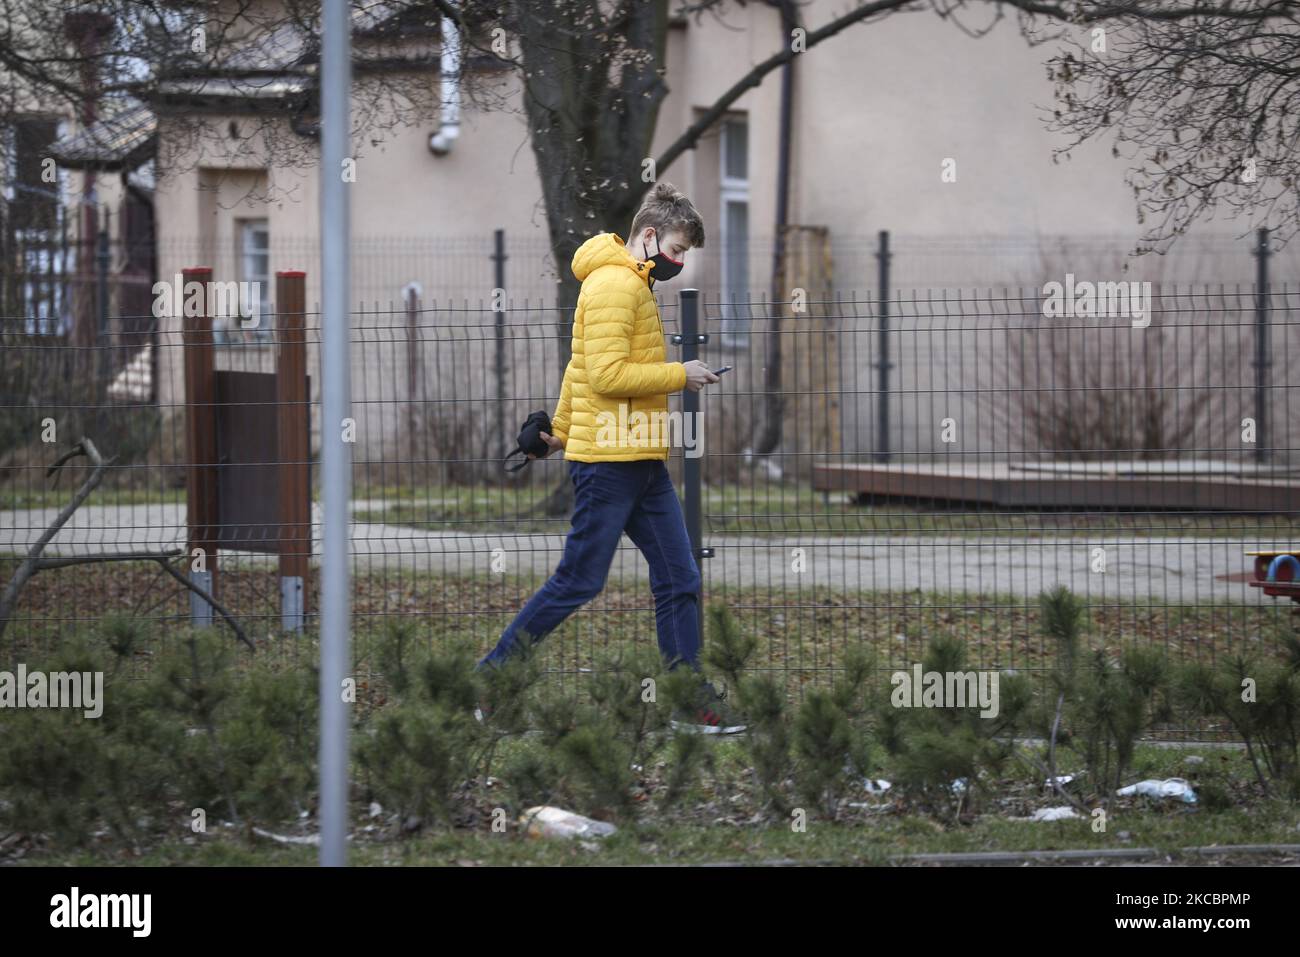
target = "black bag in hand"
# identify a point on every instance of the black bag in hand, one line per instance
(530, 440)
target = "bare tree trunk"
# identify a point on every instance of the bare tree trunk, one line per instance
(588, 133)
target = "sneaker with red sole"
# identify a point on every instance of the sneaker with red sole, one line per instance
(711, 716)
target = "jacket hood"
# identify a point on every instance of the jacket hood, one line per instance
(606, 249)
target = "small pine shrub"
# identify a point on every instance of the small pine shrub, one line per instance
(762, 702)
(418, 753)
(944, 754)
(1103, 703)
(1260, 701)
(189, 735)
(823, 743)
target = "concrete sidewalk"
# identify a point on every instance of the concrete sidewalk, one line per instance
(1169, 570)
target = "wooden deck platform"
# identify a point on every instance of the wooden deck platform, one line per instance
(1186, 485)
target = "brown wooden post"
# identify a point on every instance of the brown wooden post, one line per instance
(293, 432)
(200, 439)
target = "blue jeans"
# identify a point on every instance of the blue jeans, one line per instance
(611, 498)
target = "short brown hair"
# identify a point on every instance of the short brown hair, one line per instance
(667, 209)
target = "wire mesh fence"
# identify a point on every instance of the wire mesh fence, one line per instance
(874, 469)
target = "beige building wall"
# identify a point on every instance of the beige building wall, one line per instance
(877, 111)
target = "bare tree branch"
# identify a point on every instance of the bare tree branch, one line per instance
(34, 563)
(28, 566)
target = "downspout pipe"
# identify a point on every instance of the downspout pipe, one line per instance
(449, 128)
(770, 436)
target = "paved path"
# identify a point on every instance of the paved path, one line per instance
(1172, 570)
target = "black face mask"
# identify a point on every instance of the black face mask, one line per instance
(665, 268)
(530, 440)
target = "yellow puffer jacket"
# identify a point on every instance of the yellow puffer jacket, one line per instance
(614, 401)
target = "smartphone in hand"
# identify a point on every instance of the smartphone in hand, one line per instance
(721, 371)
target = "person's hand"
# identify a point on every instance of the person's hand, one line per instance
(551, 441)
(698, 375)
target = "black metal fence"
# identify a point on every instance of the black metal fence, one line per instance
(1135, 453)
(57, 278)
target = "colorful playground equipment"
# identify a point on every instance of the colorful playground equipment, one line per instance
(1278, 573)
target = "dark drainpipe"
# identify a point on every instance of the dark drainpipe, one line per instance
(774, 404)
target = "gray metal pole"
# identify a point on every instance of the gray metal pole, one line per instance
(883, 365)
(1261, 362)
(690, 343)
(336, 454)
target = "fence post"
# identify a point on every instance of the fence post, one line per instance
(1262, 361)
(883, 365)
(499, 285)
(104, 342)
(293, 439)
(201, 442)
(690, 339)
(101, 275)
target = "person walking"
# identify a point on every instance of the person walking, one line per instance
(609, 423)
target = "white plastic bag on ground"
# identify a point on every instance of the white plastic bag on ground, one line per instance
(544, 821)
(1063, 813)
(1168, 788)
(1063, 779)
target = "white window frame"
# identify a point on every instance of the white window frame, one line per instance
(733, 189)
(245, 228)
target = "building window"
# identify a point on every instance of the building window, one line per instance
(253, 324)
(34, 193)
(33, 279)
(736, 309)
